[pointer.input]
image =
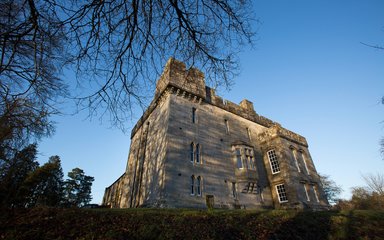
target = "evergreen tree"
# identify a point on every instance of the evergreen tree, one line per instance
(13, 173)
(45, 184)
(77, 188)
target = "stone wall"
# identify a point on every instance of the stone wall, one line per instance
(185, 113)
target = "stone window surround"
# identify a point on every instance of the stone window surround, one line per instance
(273, 161)
(303, 156)
(316, 193)
(195, 153)
(245, 157)
(281, 193)
(196, 185)
(295, 157)
(194, 115)
(306, 192)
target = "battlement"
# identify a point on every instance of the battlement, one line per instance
(244, 109)
(175, 74)
(278, 131)
(179, 80)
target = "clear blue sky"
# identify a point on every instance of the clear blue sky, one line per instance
(308, 71)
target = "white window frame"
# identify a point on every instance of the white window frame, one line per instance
(273, 161)
(281, 193)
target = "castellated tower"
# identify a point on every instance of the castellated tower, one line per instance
(193, 149)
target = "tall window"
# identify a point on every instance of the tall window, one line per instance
(197, 153)
(280, 189)
(238, 158)
(275, 167)
(198, 186)
(193, 115)
(295, 159)
(249, 158)
(193, 185)
(305, 162)
(306, 192)
(192, 152)
(226, 126)
(316, 194)
(249, 134)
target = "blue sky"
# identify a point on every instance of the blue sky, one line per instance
(308, 71)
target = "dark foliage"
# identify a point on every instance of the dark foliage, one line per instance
(189, 224)
(13, 175)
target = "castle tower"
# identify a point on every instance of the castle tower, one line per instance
(193, 149)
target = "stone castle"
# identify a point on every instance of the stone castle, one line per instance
(193, 149)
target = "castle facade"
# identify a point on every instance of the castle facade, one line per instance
(193, 149)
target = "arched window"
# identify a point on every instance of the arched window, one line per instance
(198, 186)
(193, 185)
(191, 152)
(197, 153)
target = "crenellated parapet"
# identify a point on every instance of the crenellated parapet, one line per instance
(190, 84)
(244, 109)
(278, 131)
(177, 75)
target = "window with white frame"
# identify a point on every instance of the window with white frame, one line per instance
(315, 192)
(281, 193)
(239, 161)
(306, 192)
(305, 161)
(275, 167)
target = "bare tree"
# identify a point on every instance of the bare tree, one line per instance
(119, 47)
(375, 182)
(30, 52)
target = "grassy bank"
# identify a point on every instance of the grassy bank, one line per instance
(46, 223)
